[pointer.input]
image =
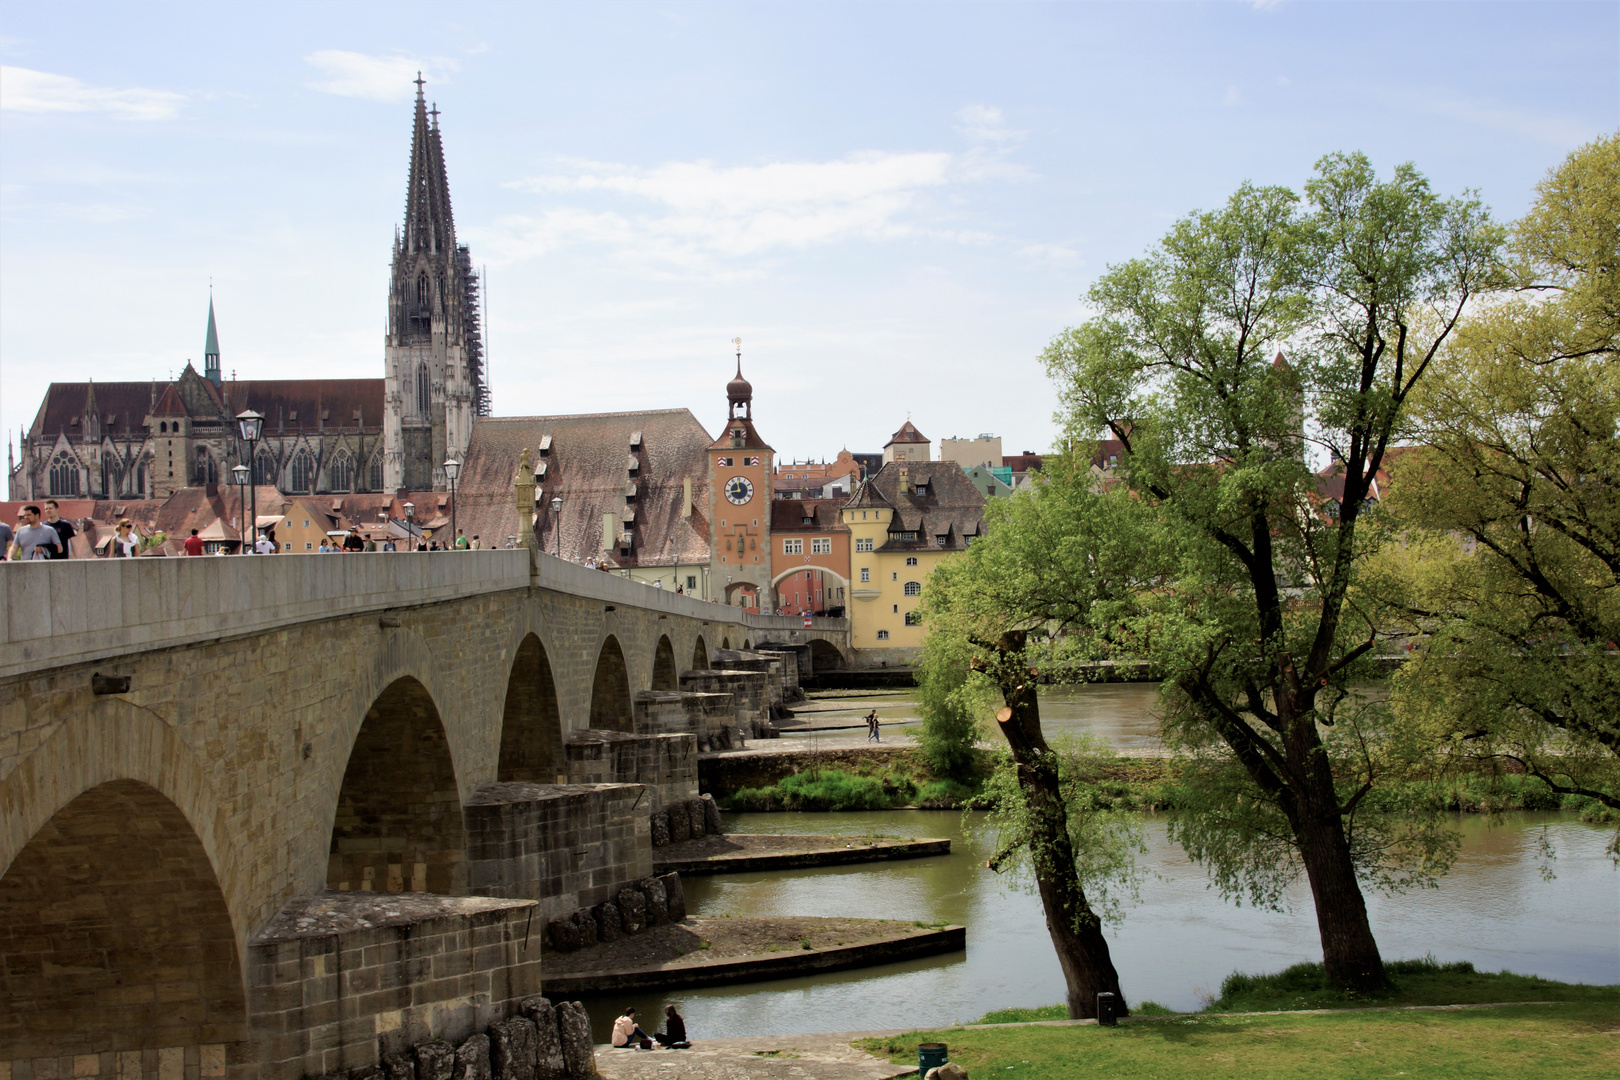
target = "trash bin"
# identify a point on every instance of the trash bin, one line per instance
(930, 1056)
(1107, 1009)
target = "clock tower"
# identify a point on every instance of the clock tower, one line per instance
(740, 502)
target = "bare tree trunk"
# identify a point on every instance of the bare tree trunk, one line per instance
(1076, 932)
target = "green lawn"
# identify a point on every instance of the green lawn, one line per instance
(1562, 1041)
(1414, 982)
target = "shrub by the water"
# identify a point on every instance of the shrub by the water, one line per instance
(827, 789)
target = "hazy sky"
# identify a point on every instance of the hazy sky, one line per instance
(894, 205)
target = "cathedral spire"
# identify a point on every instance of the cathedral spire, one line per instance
(211, 346)
(428, 225)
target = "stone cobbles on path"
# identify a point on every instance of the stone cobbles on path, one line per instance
(771, 1057)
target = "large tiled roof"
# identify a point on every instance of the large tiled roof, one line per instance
(587, 465)
(788, 515)
(127, 403)
(124, 406)
(333, 403)
(953, 507)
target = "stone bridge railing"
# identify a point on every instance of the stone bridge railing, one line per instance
(84, 611)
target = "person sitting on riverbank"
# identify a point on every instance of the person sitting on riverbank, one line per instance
(674, 1033)
(627, 1034)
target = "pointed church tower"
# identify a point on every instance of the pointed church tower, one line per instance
(431, 353)
(211, 346)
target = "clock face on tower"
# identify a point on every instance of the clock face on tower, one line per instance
(739, 489)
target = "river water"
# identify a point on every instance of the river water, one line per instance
(1125, 715)
(1173, 945)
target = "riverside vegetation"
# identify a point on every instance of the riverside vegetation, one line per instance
(1474, 363)
(1360, 1035)
(907, 780)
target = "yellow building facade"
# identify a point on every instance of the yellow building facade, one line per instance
(903, 523)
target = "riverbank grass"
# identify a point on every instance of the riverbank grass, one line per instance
(1577, 1039)
(1415, 982)
(1303, 986)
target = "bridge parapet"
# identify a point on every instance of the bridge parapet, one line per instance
(81, 611)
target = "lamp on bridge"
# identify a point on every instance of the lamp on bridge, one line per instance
(243, 477)
(250, 425)
(556, 523)
(410, 526)
(452, 469)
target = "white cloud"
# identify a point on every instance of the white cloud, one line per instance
(1233, 97)
(703, 210)
(1266, 5)
(985, 124)
(27, 91)
(375, 78)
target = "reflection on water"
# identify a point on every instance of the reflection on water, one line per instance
(1174, 945)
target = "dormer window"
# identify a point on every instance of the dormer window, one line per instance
(545, 445)
(635, 439)
(922, 491)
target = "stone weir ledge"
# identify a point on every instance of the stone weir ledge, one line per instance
(711, 951)
(735, 853)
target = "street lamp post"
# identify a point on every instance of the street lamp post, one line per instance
(410, 526)
(452, 469)
(251, 425)
(556, 524)
(244, 477)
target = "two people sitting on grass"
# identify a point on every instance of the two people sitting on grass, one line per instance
(627, 1034)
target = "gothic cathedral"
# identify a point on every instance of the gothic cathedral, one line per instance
(433, 352)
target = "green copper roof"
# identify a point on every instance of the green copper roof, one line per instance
(211, 347)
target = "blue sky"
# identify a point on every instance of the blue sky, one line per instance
(894, 205)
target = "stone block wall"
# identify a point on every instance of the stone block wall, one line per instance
(802, 653)
(769, 666)
(788, 672)
(666, 765)
(565, 846)
(749, 690)
(196, 1062)
(711, 718)
(340, 980)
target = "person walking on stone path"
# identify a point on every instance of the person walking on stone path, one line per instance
(64, 529)
(872, 727)
(35, 540)
(627, 1034)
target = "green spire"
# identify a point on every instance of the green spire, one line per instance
(211, 346)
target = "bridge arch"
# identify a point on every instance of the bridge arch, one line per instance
(824, 655)
(776, 582)
(610, 689)
(700, 654)
(397, 825)
(115, 933)
(664, 675)
(531, 722)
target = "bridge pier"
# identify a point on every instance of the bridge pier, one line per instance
(393, 724)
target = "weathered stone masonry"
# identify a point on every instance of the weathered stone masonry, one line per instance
(374, 721)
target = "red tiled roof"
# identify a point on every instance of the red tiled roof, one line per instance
(587, 466)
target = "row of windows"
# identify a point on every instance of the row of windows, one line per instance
(819, 545)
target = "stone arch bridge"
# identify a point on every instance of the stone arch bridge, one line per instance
(273, 816)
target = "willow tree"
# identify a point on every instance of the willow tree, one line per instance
(1256, 627)
(1511, 513)
(1052, 553)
